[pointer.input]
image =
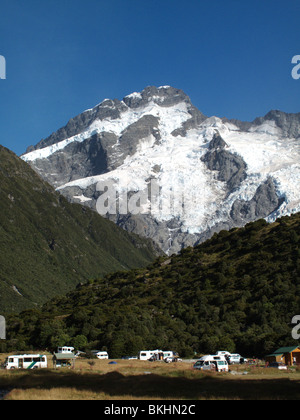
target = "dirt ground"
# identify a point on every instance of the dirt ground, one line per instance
(140, 380)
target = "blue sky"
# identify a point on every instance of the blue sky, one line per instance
(232, 57)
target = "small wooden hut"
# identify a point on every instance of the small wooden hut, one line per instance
(63, 360)
(287, 355)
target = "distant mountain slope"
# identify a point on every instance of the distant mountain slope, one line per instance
(210, 173)
(48, 246)
(237, 291)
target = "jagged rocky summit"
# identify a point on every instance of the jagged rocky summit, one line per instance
(172, 173)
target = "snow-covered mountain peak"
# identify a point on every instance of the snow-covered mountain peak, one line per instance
(170, 106)
(208, 173)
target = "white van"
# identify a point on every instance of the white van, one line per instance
(26, 361)
(100, 354)
(212, 362)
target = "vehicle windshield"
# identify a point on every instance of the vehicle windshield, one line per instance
(221, 362)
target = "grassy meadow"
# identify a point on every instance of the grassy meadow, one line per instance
(140, 380)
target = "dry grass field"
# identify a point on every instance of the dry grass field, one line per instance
(140, 380)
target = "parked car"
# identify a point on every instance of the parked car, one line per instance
(277, 365)
(172, 359)
(236, 359)
(129, 357)
(232, 359)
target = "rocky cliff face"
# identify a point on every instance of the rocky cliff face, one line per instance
(156, 166)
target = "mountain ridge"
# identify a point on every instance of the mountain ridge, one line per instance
(158, 135)
(76, 124)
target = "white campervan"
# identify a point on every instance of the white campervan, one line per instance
(157, 354)
(65, 349)
(148, 354)
(170, 354)
(212, 362)
(226, 354)
(100, 354)
(26, 361)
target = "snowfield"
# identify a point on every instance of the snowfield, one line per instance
(184, 174)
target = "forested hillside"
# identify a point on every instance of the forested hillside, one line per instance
(237, 292)
(48, 246)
